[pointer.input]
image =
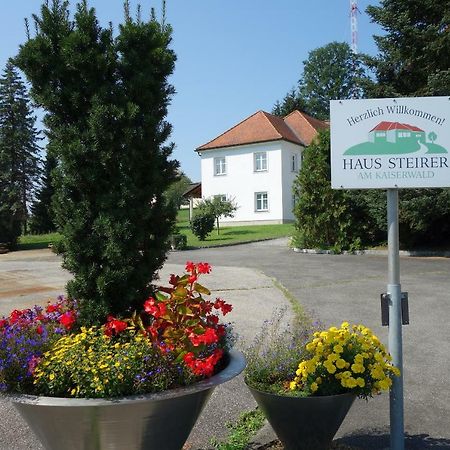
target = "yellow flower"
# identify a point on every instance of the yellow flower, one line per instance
(338, 349)
(331, 368)
(360, 382)
(340, 363)
(292, 385)
(51, 376)
(358, 368)
(314, 387)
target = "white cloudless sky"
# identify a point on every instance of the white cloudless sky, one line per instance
(235, 57)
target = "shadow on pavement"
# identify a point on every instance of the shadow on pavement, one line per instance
(375, 439)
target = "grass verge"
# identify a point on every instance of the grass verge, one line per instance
(241, 431)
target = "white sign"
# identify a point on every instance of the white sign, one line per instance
(390, 143)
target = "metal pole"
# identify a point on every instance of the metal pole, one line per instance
(395, 322)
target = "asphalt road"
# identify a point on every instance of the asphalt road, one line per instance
(335, 288)
(348, 287)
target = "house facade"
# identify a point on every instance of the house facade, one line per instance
(255, 164)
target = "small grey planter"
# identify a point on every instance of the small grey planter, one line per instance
(159, 421)
(308, 423)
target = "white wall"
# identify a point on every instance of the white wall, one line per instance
(241, 181)
(289, 176)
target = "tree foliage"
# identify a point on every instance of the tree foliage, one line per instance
(330, 72)
(19, 161)
(42, 216)
(217, 208)
(106, 101)
(322, 214)
(414, 60)
(414, 56)
(202, 224)
(174, 193)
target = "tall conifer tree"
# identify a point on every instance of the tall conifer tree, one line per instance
(414, 55)
(19, 161)
(42, 216)
(106, 100)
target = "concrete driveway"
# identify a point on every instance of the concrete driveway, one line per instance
(335, 288)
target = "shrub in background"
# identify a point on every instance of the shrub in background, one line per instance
(202, 225)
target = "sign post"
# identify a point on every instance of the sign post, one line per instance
(390, 144)
(395, 321)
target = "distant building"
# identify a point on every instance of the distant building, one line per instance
(395, 132)
(255, 163)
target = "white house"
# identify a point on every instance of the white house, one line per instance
(255, 163)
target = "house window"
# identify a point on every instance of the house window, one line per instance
(294, 162)
(403, 134)
(380, 134)
(220, 166)
(261, 201)
(221, 197)
(260, 161)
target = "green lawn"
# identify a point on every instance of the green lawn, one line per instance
(228, 235)
(35, 241)
(232, 235)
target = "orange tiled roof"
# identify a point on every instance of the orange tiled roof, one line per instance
(305, 126)
(297, 127)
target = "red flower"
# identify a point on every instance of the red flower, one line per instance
(68, 319)
(208, 337)
(190, 267)
(173, 280)
(114, 326)
(224, 307)
(192, 279)
(39, 329)
(155, 309)
(52, 308)
(213, 319)
(203, 366)
(15, 316)
(3, 323)
(203, 267)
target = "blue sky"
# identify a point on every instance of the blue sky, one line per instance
(235, 57)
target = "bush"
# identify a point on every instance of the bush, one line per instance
(107, 129)
(202, 225)
(178, 241)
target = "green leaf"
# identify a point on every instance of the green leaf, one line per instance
(160, 297)
(201, 289)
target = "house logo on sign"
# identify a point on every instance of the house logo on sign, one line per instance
(394, 138)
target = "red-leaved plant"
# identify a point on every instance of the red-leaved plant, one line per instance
(178, 319)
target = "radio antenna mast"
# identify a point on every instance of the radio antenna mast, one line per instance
(354, 25)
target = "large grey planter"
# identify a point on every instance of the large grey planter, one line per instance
(159, 421)
(308, 423)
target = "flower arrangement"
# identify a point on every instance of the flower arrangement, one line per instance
(273, 356)
(303, 360)
(174, 341)
(345, 359)
(24, 337)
